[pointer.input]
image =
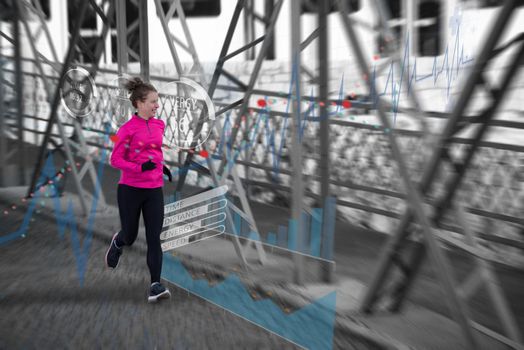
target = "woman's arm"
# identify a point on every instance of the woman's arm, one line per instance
(118, 157)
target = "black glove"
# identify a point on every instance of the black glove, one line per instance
(149, 165)
(167, 172)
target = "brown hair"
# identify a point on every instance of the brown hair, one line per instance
(138, 89)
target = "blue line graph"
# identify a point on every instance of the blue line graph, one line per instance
(65, 219)
(449, 67)
(304, 117)
(319, 228)
(311, 326)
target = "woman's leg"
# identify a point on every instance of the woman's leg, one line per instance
(153, 210)
(130, 201)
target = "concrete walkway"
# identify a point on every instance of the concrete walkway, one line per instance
(45, 304)
(42, 302)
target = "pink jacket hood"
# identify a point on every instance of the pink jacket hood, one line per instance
(137, 141)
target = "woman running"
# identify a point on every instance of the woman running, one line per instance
(138, 155)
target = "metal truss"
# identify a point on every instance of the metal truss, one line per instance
(251, 17)
(196, 70)
(76, 43)
(241, 107)
(320, 35)
(126, 30)
(297, 46)
(427, 217)
(218, 179)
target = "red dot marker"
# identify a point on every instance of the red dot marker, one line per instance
(346, 104)
(204, 153)
(113, 138)
(261, 103)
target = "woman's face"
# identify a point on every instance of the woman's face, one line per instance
(148, 107)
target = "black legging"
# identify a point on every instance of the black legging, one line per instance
(131, 201)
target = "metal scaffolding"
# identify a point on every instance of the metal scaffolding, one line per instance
(75, 43)
(402, 251)
(426, 216)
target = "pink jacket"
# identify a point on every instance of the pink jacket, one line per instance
(136, 142)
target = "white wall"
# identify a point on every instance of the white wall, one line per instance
(208, 34)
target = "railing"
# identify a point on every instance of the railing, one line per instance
(363, 174)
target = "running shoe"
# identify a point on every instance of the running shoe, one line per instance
(157, 292)
(113, 253)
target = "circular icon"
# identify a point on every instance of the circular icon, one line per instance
(188, 112)
(120, 106)
(78, 92)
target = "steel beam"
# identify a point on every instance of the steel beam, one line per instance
(3, 113)
(164, 22)
(249, 31)
(269, 7)
(488, 275)
(214, 81)
(144, 39)
(327, 269)
(297, 191)
(457, 307)
(19, 87)
(121, 37)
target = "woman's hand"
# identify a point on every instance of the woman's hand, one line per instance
(167, 172)
(149, 165)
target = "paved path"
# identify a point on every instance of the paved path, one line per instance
(43, 305)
